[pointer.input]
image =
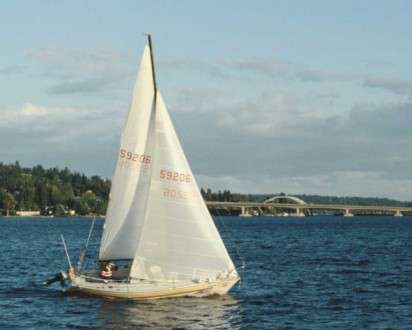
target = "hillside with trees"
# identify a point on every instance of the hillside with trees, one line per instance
(51, 191)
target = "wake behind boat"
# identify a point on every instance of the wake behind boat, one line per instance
(158, 231)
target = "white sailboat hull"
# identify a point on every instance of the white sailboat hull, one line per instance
(146, 289)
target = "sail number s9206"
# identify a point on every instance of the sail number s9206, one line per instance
(139, 158)
(174, 176)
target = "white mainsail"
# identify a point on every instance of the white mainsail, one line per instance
(131, 179)
(156, 214)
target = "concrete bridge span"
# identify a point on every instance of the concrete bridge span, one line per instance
(299, 208)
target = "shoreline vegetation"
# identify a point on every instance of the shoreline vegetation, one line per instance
(38, 191)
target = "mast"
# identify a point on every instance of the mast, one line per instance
(149, 38)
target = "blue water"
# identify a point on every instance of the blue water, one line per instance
(302, 273)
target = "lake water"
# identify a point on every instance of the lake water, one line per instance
(302, 273)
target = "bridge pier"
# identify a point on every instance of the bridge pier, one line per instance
(348, 213)
(398, 213)
(298, 213)
(244, 212)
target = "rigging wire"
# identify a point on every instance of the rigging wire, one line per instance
(232, 243)
(83, 253)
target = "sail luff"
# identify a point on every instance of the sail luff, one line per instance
(132, 269)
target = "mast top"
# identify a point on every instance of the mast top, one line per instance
(149, 39)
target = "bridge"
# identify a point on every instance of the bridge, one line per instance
(278, 204)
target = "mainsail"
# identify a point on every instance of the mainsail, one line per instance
(130, 183)
(156, 215)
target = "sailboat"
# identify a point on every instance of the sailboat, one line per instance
(158, 231)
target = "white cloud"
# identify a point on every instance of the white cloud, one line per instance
(179, 65)
(278, 142)
(266, 67)
(261, 117)
(29, 109)
(270, 67)
(257, 139)
(204, 100)
(269, 144)
(79, 138)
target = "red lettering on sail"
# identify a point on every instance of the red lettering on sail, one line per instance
(133, 157)
(176, 194)
(175, 176)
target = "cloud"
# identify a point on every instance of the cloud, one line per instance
(398, 86)
(276, 68)
(260, 139)
(274, 142)
(279, 142)
(264, 116)
(80, 138)
(340, 183)
(269, 67)
(202, 100)
(30, 109)
(81, 71)
(266, 67)
(79, 87)
(228, 69)
(316, 75)
(211, 69)
(12, 70)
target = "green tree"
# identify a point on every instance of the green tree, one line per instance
(42, 195)
(88, 203)
(83, 208)
(59, 210)
(7, 201)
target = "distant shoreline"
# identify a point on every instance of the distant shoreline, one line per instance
(51, 217)
(243, 218)
(62, 192)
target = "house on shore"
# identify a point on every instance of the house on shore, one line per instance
(27, 213)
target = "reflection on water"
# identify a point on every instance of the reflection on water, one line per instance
(183, 313)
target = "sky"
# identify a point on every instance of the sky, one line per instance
(307, 97)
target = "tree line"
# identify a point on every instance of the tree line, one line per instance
(226, 196)
(59, 192)
(51, 191)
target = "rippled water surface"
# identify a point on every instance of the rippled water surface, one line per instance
(302, 273)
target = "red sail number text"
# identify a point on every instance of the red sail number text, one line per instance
(174, 176)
